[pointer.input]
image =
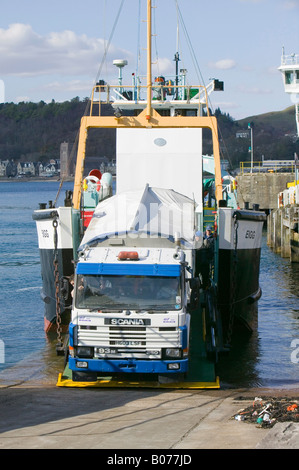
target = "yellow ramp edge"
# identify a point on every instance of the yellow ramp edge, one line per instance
(112, 383)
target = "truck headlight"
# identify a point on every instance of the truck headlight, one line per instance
(84, 351)
(172, 352)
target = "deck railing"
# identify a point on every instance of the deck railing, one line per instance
(124, 95)
(291, 59)
(279, 166)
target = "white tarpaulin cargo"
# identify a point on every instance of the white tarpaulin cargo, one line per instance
(154, 211)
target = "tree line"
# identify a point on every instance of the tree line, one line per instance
(34, 131)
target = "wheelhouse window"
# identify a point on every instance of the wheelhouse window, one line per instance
(289, 76)
(110, 293)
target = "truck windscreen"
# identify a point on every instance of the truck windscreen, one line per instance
(127, 292)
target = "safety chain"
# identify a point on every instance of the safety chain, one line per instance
(232, 303)
(59, 345)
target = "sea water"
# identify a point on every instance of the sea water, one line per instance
(267, 358)
(21, 307)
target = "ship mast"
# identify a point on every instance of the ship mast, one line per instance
(148, 118)
(149, 60)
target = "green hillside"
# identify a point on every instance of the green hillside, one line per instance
(34, 131)
(280, 122)
(274, 136)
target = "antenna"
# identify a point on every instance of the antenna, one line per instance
(177, 27)
(120, 64)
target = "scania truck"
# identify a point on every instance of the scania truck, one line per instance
(135, 287)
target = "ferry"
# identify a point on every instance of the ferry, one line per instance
(159, 125)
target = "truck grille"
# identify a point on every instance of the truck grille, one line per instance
(129, 338)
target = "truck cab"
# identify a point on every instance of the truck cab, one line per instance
(130, 312)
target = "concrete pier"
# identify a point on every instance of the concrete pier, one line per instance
(262, 188)
(277, 194)
(282, 231)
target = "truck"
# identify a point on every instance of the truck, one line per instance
(135, 288)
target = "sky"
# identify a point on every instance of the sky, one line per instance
(54, 50)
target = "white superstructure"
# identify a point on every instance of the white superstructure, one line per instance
(290, 70)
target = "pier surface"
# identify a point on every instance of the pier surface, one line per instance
(35, 414)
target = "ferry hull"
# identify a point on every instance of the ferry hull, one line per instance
(240, 238)
(55, 228)
(48, 293)
(239, 289)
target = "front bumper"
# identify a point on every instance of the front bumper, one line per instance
(129, 366)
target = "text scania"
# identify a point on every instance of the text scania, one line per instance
(127, 321)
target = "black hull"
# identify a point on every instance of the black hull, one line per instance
(240, 238)
(238, 288)
(48, 294)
